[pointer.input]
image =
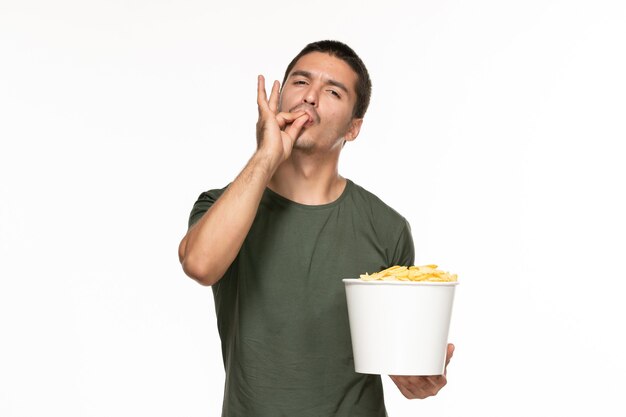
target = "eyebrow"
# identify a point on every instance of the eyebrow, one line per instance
(330, 81)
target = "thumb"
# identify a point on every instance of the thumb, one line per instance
(449, 353)
(294, 129)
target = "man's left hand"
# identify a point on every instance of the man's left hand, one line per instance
(423, 386)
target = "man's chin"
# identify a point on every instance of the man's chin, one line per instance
(303, 144)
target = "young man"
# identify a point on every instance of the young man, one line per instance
(277, 241)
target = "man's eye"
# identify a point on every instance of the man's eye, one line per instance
(300, 82)
(333, 92)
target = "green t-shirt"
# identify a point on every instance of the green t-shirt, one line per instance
(281, 306)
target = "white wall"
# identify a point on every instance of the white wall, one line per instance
(494, 128)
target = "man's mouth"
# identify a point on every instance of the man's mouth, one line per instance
(313, 117)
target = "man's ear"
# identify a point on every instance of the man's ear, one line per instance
(353, 131)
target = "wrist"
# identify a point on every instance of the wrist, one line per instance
(265, 162)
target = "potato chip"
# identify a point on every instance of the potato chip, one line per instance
(424, 273)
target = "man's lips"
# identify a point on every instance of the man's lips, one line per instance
(313, 116)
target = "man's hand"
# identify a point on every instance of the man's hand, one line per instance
(423, 386)
(276, 132)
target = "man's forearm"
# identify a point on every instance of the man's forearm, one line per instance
(212, 244)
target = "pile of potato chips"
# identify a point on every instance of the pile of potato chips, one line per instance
(425, 273)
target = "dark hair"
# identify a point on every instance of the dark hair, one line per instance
(345, 53)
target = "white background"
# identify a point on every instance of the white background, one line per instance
(494, 128)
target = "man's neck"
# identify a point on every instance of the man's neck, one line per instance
(307, 179)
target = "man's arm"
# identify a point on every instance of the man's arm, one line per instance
(211, 245)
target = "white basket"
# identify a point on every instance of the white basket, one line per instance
(399, 327)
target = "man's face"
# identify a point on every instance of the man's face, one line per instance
(324, 87)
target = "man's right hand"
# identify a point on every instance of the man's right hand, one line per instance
(276, 132)
(204, 252)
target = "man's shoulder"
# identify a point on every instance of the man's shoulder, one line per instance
(373, 204)
(203, 203)
(212, 194)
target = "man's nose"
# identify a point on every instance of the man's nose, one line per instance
(310, 96)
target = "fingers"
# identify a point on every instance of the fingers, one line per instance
(274, 96)
(449, 355)
(451, 348)
(293, 122)
(435, 383)
(294, 129)
(284, 118)
(262, 101)
(261, 97)
(419, 386)
(401, 383)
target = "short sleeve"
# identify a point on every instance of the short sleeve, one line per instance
(203, 204)
(404, 254)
